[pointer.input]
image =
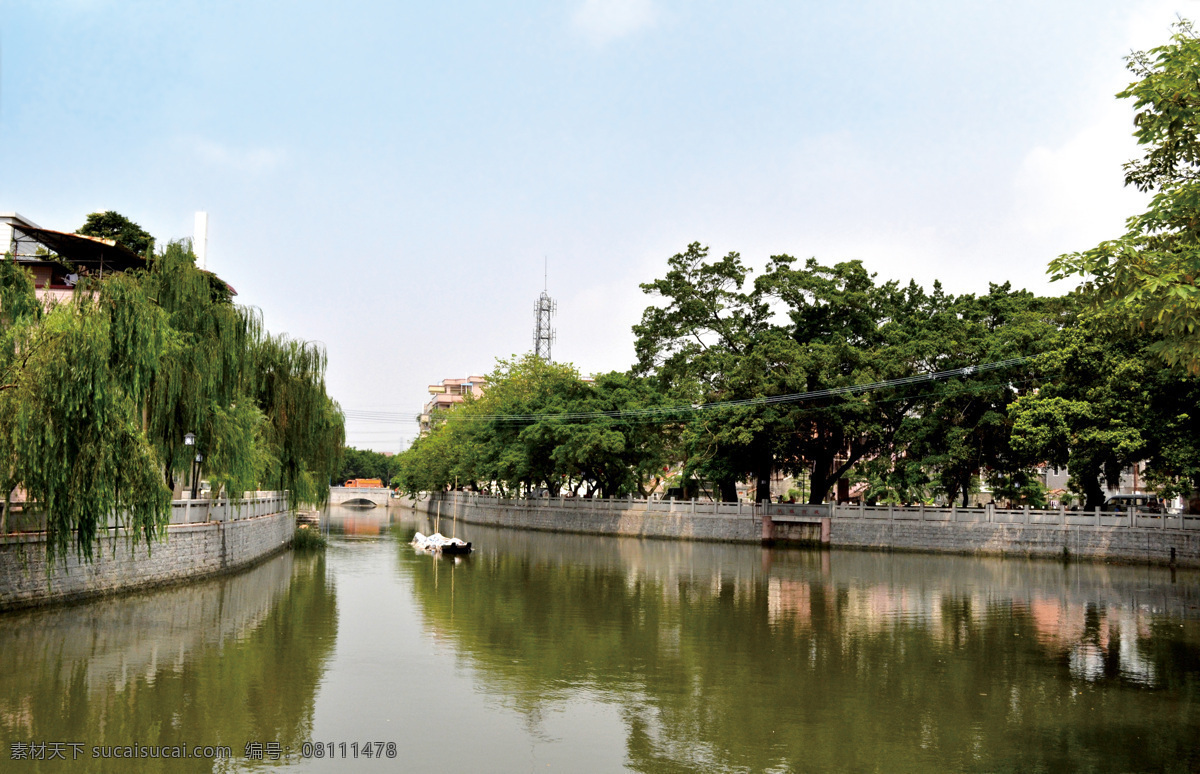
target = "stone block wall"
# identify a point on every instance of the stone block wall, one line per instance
(190, 551)
(599, 518)
(1127, 544)
(1140, 544)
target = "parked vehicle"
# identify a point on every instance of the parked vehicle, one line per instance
(1144, 503)
(364, 483)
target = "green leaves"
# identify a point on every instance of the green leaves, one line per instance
(69, 425)
(1148, 278)
(97, 394)
(114, 225)
(479, 444)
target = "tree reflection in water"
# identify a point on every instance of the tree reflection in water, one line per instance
(222, 662)
(728, 658)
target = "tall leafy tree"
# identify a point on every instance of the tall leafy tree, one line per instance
(1088, 417)
(1149, 278)
(75, 379)
(96, 395)
(717, 338)
(114, 225)
(964, 426)
(711, 340)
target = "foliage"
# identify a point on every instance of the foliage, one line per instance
(365, 463)
(1111, 405)
(1020, 488)
(307, 539)
(97, 394)
(965, 424)
(114, 225)
(1149, 278)
(304, 430)
(70, 430)
(806, 328)
(478, 444)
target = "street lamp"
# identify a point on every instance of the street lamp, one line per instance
(189, 440)
(196, 473)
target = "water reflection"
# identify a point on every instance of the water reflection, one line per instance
(221, 662)
(737, 658)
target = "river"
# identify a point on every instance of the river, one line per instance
(553, 652)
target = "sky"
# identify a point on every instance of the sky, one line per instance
(398, 181)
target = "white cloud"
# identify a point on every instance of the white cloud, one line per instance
(247, 160)
(605, 20)
(1073, 195)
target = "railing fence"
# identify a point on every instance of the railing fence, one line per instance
(988, 514)
(262, 503)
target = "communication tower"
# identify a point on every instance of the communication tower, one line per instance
(543, 334)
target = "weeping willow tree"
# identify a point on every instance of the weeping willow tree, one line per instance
(256, 402)
(70, 431)
(304, 429)
(196, 387)
(96, 395)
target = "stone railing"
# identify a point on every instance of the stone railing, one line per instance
(613, 504)
(990, 514)
(199, 511)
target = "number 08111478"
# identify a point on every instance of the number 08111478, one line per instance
(348, 750)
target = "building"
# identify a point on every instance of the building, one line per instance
(447, 395)
(58, 259)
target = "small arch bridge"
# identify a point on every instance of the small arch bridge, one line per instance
(360, 496)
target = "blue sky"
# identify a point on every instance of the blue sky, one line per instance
(387, 178)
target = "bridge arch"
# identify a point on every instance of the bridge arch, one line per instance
(359, 496)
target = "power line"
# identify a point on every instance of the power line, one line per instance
(659, 411)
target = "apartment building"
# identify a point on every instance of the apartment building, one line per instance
(447, 395)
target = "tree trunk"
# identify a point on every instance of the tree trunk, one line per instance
(762, 489)
(1088, 476)
(821, 480)
(729, 490)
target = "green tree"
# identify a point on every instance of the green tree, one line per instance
(366, 463)
(114, 225)
(712, 341)
(796, 329)
(1089, 417)
(539, 425)
(1149, 278)
(96, 395)
(964, 425)
(75, 379)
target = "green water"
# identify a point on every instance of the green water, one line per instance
(547, 652)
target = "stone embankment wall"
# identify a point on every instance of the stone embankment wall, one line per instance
(1049, 534)
(190, 551)
(726, 522)
(1120, 543)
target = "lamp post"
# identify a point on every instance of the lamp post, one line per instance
(189, 440)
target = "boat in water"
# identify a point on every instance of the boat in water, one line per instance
(440, 544)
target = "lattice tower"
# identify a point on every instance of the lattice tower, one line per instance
(543, 334)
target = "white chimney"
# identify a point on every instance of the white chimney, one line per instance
(200, 240)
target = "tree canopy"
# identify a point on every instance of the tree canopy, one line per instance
(520, 436)
(1149, 277)
(114, 225)
(97, 393)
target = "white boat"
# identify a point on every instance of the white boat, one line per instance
(439, 543)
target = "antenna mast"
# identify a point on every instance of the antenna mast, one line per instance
(543, 334)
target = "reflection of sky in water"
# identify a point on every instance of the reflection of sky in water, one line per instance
(1095, 639)
(736, 658)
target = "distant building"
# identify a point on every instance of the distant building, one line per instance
(448, 394)
(58, 259)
